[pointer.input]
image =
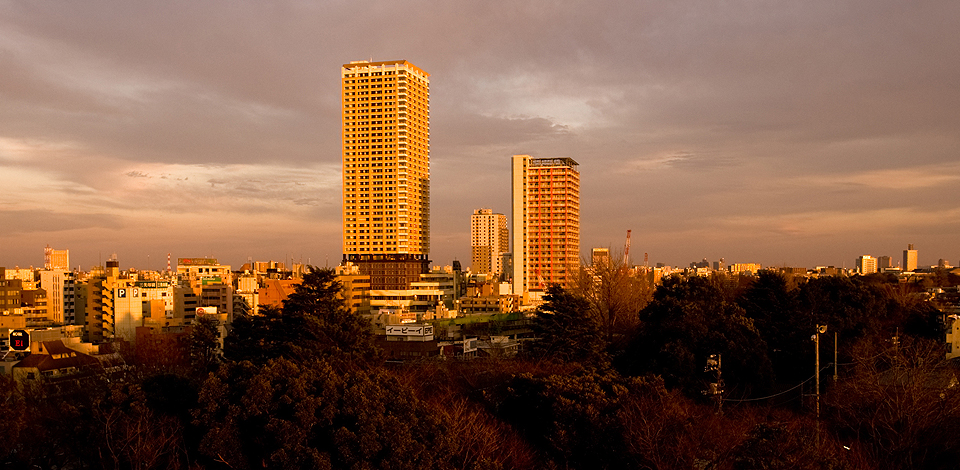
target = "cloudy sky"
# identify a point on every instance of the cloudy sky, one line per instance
(773, 131)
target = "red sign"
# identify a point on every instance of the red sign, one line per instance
(19, 340)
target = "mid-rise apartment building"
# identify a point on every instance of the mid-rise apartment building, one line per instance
(489, 241)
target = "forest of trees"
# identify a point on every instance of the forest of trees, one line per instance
(615, 380)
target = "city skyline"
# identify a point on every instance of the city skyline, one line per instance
(776, 133)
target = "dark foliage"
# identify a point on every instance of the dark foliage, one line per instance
(314, 323)
(689, 320)
(566, 330)
(307, 415)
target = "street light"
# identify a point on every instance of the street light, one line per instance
(821, 329)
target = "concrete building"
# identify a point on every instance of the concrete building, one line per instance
(103, 286)
(489, 241)
(198, 272)
(385, 110)
(10, 295)
(866, 264)
(56, 260)
(546, 223)
(61, 295)
(909, 259)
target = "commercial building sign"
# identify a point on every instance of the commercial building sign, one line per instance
(201, 311)
(197, 262)
(410, 330)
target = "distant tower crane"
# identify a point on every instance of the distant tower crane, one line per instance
(626, 251)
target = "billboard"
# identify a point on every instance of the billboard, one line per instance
(409, 330)
(206, 311)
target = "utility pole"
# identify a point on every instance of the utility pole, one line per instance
(835, 376)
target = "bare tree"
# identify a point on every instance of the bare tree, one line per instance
(615, 292)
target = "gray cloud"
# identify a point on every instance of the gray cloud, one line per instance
(680, 114)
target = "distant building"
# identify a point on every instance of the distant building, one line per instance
(10, 295)
(600, 257)
(884, 263)
(745, 268)
(866, 264)
(275, 291)
(489, 240)
(909, 259)
(56, 260)
(546, 223)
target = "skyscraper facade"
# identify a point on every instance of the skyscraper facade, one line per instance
(546, 222)
(386, 170)
(489, 240)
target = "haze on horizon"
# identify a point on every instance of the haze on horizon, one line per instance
(784, 133)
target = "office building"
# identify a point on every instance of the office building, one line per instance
(489, 240)
(385, 110)
(909, 259)
(546, 223)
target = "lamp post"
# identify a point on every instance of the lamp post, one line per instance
(816, 340)
(821, 329)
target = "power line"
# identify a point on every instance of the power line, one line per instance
(778, 394)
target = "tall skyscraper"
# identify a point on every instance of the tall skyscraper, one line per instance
(386, 170)
(546, 222)
(909, 259)
(489, 240)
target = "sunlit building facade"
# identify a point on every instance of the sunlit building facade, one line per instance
(386, 170)
(546, 222)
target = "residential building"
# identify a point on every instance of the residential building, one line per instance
(385, 110)
(61, 295)
(546, 223)
(489, 241)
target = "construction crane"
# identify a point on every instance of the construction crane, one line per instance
(626, 251)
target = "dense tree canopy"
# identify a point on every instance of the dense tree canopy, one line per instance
(689, 320)
(565, 330)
